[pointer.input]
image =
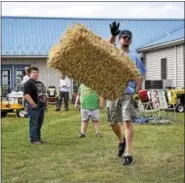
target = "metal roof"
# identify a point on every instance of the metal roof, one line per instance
(34, 36)
(167, 38)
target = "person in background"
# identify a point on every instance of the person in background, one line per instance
(90, 105)
(64, 87)
(26, 76)
(122, 110)
(35, 96)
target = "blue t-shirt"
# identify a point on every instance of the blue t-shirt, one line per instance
(132, 84)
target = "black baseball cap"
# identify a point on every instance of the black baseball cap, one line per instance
(125, 33)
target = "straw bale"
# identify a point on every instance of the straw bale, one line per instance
(90, 60)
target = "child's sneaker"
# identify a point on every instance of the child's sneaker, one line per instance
(98, 135)
(121, 148)
(127, 160)
(81, 135)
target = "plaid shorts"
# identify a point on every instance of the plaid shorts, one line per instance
(121, 110)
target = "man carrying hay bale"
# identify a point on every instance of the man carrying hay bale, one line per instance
(122, 110)
(90, 60)
(93, 61)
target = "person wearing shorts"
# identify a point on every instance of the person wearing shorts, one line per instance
(122, 109)
(90, 105)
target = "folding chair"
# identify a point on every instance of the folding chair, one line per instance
(159, 102)
(148, 109)
(165, 107)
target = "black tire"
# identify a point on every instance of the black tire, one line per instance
(21, 113)
(179, 108)
(3, 114)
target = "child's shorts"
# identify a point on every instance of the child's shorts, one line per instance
(87, 114)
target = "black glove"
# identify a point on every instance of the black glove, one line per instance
(114, 28)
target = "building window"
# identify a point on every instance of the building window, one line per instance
(143, 60)
(18, 79)
(75, 86)
(163, 68)
(5, 82)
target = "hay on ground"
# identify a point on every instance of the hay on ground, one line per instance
(90, 60)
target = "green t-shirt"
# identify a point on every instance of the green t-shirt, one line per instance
(88, 98)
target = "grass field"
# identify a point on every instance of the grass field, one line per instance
(158, 152)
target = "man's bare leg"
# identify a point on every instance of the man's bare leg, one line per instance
(128, 126)
(118, 131)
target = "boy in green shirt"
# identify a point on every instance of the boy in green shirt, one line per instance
(90, 105)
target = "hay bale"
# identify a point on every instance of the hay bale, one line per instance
(90, 60)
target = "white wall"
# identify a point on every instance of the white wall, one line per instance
(48, 76)
(175, 64)
(180, 66)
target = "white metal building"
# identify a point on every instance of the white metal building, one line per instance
(165, 61)
(27, 40)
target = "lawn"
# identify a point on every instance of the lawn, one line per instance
(158, 152)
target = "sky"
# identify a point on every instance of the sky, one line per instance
(95, 9)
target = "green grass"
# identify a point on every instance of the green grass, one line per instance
(158, 152)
